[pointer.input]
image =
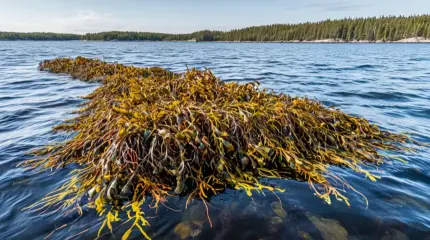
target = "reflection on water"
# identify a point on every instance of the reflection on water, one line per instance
(388, 84)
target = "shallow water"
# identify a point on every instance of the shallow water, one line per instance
(389, 84)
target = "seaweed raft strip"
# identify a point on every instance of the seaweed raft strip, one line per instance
(147, 133)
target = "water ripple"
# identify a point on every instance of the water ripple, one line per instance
(388, 84)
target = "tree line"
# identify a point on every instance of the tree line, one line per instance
(385, 28)
(38, 36)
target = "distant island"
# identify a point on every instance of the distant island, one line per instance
(414, 28)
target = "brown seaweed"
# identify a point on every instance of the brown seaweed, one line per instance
(147, 133)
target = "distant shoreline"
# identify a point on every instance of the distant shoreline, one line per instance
(388, 29)
(320, 41)
(406, 40)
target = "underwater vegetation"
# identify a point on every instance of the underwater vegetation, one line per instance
(147, 133)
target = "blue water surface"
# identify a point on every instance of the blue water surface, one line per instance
(389, 84)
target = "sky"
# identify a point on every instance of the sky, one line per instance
(185, 16)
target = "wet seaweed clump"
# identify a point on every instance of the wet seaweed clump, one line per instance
(147, 133)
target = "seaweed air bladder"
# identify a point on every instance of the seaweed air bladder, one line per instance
(147, 133)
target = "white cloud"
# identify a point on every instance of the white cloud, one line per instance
(88, 21)
(333, 6)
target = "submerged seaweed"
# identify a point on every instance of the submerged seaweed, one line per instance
(147, 133)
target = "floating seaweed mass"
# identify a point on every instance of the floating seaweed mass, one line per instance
(147, 133)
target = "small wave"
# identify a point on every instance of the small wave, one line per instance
(419, 59)
(395, 114)
(84, 86)
(393, 96)
(401, 78)
(229, 58)
(423, 113)
(60, 102)
(360, 67)
(366, 66)
(224, 67)
(319, 64)
(5, 98)
(8, 127)
(279, 74)
(323, 69)
(387, 96)
(414, 174)
(274, 62)
(353, 68)
(22, 82)
(19, 115)
(361, 80)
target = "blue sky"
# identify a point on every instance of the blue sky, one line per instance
(183, 16)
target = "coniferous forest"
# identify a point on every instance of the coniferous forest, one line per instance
(39, 36)
(385, 28)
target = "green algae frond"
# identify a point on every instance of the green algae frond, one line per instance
(147, 133)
